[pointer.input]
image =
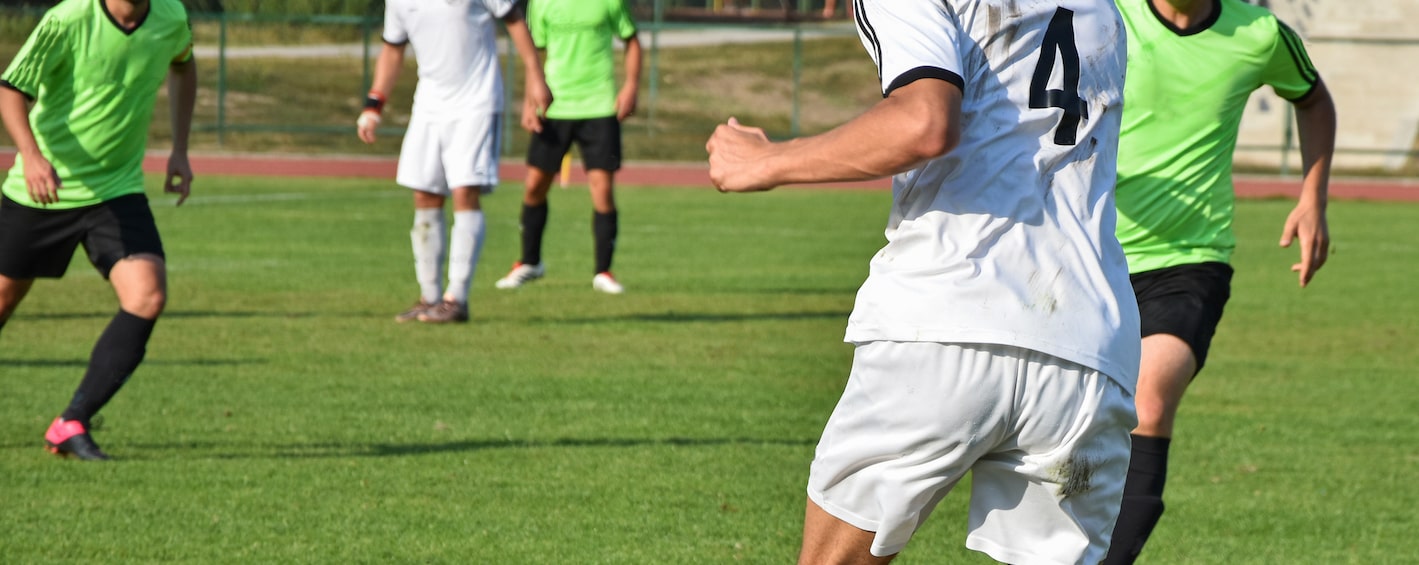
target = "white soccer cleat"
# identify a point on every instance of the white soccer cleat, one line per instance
(604, 282)
(520, 275)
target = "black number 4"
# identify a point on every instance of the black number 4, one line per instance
(1060, 38)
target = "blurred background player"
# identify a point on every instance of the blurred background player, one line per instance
(78, 176)
(452, 143)
(1192, 64)
(996, 333)
(577, 36)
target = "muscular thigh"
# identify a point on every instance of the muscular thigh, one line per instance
(1185, 301)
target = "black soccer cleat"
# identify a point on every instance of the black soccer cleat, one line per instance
(69, 438)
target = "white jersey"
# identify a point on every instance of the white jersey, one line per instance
(1009, 238)
(455, 42)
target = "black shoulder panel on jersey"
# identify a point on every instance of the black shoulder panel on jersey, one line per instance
(860, 16)
(1297, 51)
(6, 84)
(925, 72)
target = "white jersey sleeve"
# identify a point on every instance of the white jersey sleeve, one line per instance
(923, 43)
(394, 31)
(1009, 237)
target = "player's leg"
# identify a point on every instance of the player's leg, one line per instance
(465, 246)
(140, 283)
(33, 243)
(124, 245)
(912, 421)
(826, 539)
(1180, 308)
(600, 141)
(545, 151)
(12, 291)
(421, 170)
(469, 150)
(1049, 492)
(428, 239)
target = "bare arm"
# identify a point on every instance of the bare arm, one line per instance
(1316, 125)
(386, 73)
(916, 123)
(182, 97)
(536, 97)
(40, 178)
(627, 98)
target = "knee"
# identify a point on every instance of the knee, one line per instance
(1155, 416)
(148, 304)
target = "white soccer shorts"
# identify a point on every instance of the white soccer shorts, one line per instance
(1046, 441)
(439, 155)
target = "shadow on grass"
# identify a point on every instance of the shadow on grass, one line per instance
(691, 317)
(201, 450)
(197, 314)
(84, 362)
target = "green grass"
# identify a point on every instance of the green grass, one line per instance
(282, 417)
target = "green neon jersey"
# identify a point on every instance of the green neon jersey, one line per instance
(94, 86)
(1183, 102)
(581, 60)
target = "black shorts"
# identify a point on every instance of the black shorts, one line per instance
(599, 140)
(1184, 301)
(35, 242)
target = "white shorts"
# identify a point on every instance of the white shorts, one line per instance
(1046, 441)
(437, 156)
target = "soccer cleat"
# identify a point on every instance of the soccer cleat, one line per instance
(520, 275)
(414, 311)
(445, 312)
(69, 438)
(604, 282)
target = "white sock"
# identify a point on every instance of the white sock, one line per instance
(466, 243)
(428, 239)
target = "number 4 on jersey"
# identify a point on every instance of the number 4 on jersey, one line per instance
(1059, 38)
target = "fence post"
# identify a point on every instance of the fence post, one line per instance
(797, 76)
(1286, 139)
(221, 78)
(657, 19)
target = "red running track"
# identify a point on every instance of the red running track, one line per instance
(689, 175)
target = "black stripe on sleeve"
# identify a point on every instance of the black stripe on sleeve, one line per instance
(865, 27)
(6, 84)
(925, 72)
(1297, 51)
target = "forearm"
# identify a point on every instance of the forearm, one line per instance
(633, 63)
(900, 133)
(15, 111)
(526, 50)
(1316, 126)
(387, 68)
(182, 99)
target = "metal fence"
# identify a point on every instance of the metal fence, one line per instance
(782, 63)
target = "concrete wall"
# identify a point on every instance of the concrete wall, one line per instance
(1367, 51)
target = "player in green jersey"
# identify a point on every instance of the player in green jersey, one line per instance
(1192, 66)
(577, 36)
(77, 100)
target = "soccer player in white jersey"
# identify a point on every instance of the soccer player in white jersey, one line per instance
(452, 143)
(996, 332)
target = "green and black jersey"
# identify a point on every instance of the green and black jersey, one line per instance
(94, 85)
(581, 64)
(1183, 102)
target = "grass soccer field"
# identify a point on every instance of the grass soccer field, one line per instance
(283, 417)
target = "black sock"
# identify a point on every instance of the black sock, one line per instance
(603, 227)
(534, 222)
(1142, 499)
(116, 355)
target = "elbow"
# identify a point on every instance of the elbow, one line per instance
(935, 137)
